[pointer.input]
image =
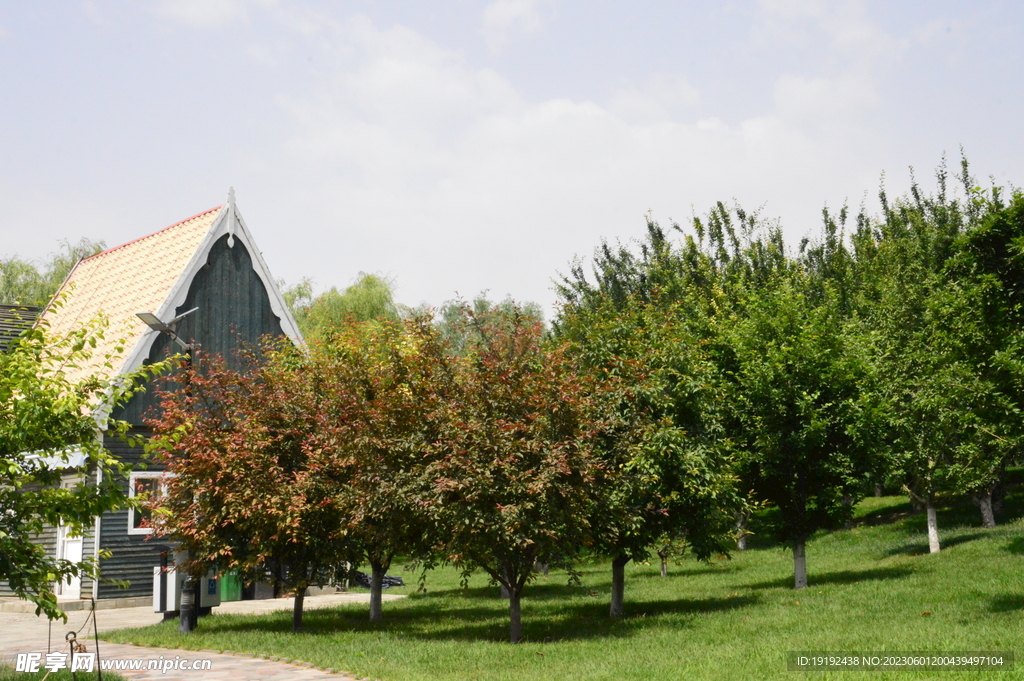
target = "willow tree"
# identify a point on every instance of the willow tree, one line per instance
(24, 282)
(370, 297)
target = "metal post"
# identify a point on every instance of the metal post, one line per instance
(186, 621)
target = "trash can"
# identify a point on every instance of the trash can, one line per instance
(231, 586)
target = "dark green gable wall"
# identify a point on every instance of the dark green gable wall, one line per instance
(233, 307)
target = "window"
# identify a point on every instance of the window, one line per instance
(145, 486)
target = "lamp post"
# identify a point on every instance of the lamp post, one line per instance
(189, 609)
(168, 328)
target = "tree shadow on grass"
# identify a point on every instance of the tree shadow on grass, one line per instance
(921, 548)
(885, 516)
(1006, 603)
(1015, 545)
(840, 577)
(578, 621)
(542, 622)
(492, 592)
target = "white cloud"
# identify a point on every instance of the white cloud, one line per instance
(662, 98)
(207, 13)
(444, 175)
(824, 101)
(843, 24)
(505, 20)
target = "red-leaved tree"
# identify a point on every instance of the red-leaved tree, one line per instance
(383, 384)
(247, 490)
(513, 470)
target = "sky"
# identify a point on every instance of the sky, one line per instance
(465, 146)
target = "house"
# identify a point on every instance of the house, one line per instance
(13, 320)
(208, 263)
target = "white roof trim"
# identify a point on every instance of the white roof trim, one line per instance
(65, 458)
(228, 221)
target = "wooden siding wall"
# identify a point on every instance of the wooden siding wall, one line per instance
(233, 308)
(48, 540)
(133, 556)
(13, 320)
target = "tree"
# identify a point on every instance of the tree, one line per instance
(247, 491)
(24, 283)
(946, 330)
(382, 385)
(370, 297)
(450, 319)
(667, 466)
(513, 472)
(45, 421)
(806, 417)
(654, 321)
(990, 260)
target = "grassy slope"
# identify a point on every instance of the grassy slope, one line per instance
(734, 619)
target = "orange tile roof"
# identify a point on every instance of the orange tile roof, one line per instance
(135, 277)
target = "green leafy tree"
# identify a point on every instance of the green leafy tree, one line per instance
(807, 420)
(45, 422)
(946, 330)
(23, 282)
(654, 317)
(667, 466)
(371, 297)
(990, 259)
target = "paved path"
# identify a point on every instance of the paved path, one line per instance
(25, 633)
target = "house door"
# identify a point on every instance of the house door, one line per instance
(69, 548)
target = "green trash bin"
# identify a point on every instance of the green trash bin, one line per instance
(231, 586)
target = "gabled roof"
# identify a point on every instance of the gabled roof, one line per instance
(13, 320)
(151, 274)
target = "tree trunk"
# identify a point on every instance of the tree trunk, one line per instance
(800, 564)
(741, 531)
(618, 584)
(503, 595)
(300, 596)
(664, 564)
(933, 527)
(878, 489)
(847, 502)
(376, 588)
(515, 615)
(984, 501)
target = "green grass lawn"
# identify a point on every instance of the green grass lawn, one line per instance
(872, 588)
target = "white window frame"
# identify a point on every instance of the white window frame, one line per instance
(133, 479)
